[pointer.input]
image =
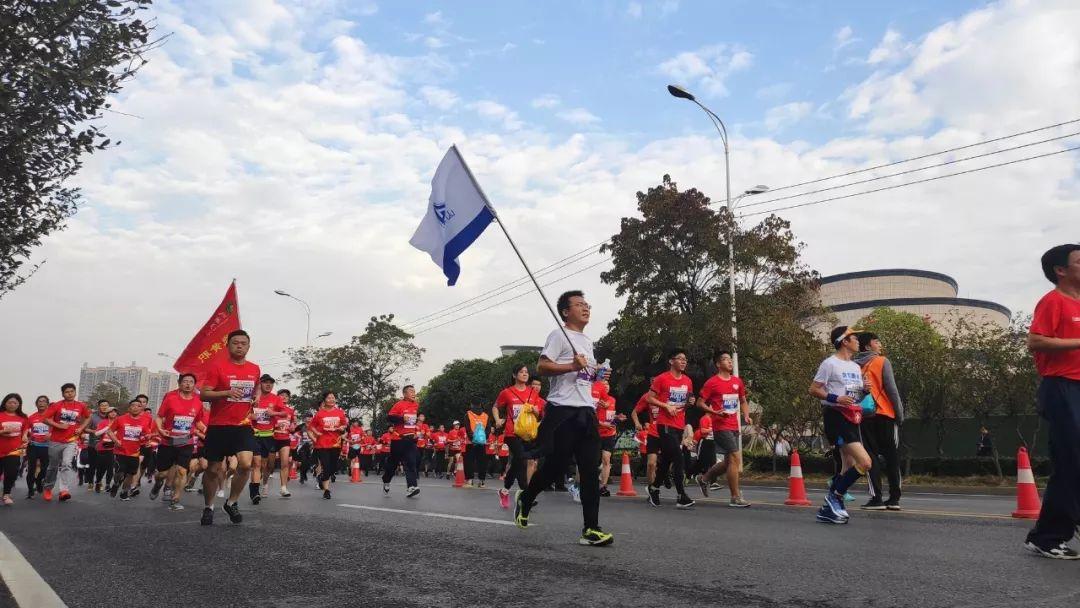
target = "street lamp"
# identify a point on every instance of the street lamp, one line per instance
(307, 309)
(681, 93)
(324, 334)
(117, 386)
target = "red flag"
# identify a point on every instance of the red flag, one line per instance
(209, 344)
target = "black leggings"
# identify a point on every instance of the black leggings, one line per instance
(10, 467)
(476, 461)
(671, 457)
(570, 432)
(103, 466)
(328, 460)
(516, 470)
(36, 455)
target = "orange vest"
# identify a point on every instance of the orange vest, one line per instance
(873, 380)
(474, 420)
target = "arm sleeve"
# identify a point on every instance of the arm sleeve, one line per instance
(554, 346)
(893, 393)
(394, 415)
(1045, 318)
(211, 379)
(654, 386)
(822, 375)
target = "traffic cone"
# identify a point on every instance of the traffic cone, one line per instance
(355, 471)
(292, 472)
(1028, 504)
(626, 480)
(796, 488)
(459, 473)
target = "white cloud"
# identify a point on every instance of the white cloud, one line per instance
(509, 46)
(708, 67)
(892, 48)
(496, 112)
(434, 42)
(578, 116)
(438, 97)
(546, 101)
(435, 18)
(781, 117)
(634, 10)
(843, 37)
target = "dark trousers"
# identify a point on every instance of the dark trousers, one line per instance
(568, 433)
(10, 467)
(405, 452)
(103, 464)
(706, 456)
(328, 460)
(439, 462)
(476, 461)
(881, 437)
(670, 458)
(1059, 404)
(36, 456)
(516, 470)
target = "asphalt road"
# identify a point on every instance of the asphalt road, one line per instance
(454, 547)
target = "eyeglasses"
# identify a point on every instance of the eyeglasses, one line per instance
(584, 305)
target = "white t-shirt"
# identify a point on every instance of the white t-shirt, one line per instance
(840, 377)
(572, 388)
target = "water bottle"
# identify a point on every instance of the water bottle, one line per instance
(603, 370)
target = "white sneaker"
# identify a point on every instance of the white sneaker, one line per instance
(285, 492)
(221, 493)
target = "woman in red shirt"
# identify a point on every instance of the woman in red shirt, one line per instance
(325, 430)
(14, 427)
(103, 462)
(511, 402)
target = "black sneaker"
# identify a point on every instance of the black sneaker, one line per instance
(704, 485)
(874, 504)
(154, 491)
(135, 492)
(386, 488)
(892, 504)
(654, 496)
(595, 537)
(326, 494)
(124, 495)
(207, 517)
(684, 502)
(1061, 551)
(256, 499)
(521, 518)
(667, 483)
(413, 492)
(233, 511)
(604, 492)
(113, 490)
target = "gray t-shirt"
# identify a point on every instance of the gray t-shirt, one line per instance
(95, 421)
(572, 388)
(840, 377)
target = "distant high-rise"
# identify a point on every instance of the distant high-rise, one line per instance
(160, 383)
(133, 378)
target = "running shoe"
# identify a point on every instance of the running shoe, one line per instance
(8, 502)
(521, 518)
(481, 483)
(654, 496)
(221, 493)
(233, 512)
(125, 496)
(874, 504)
(575, 492)
(684, 502)
(738, 502)
(264, 491)
(848, 497)
(175, 506)
(47, 494)
(285, 492)
(326, 494)
(97, 488)
(595, 537)
(826, 515)
(156, 489)
(715, 486)
(114, 489)
(835, 503)
(386, 489)
(892, 505)
(412, 492)
(66, 496)
(1061, 551)
(207, 516)
(134, 492)
(504, 498)
(256, 499)
(667, 482)
(604, 492)
(700, 479)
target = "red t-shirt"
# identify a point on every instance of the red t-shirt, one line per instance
(492, 445)
(71, 412)
(724, 396)
(331, 423)
(284, 421)
(439, 438)
(1057, 316)
(504, 450)
(131, 432)
(605, 417)
(511, 402)
(178, 417)
(367, 445)
(223, 376)
(705, 430)
(294, 440)
(356, 435)
(262, 414)
(105, 443)
(456, 439)
(407, 410)
(675, 391)
(643, 437)
(643, 405)
(39, 431)
(12, 423)
(423, 435)
(384, 443)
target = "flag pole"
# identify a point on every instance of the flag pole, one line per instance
(495, 214)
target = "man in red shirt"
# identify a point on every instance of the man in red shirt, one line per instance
(68, 419)
(671, 391)
(129, 432)
(231, 386)
(455, 446)
(367, 452)
(423, 443)
(284, 423)
(1054, 338)
(37, 451)
(263, 414)
(403, 415)
(606, 419)
(178, 417)
(438, 447)
(725, 402)
(650, 447)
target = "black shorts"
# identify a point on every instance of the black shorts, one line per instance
(146, 452)
(652, 444)
(222, 441)
(354, 453)
(607, 444)
(169, 455)
(127, 465)
(839, 430)
(265, 445)
(281, 444)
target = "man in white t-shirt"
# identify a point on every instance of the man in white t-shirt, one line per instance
(839, 385)
(569, 428)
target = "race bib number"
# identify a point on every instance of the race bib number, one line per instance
(39, 428)
(609, 415)
(69, 416)
(12, 427)
(731, 403)
(262, 415)
(853, 385)
(181, 425)
(410, 419)
(132, 433)
(331, 424)
(655, 411)
(247, 388)
(677, 396)
(283, 425)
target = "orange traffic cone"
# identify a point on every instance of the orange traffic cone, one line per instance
(626, 480)
(292, 472)
(355, 471)
(1027, 494)
(459, 473)
(796, 488)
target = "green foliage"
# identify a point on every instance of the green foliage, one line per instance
(109, 392)
(465, 382)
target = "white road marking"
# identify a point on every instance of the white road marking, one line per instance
(501, 522)
(25, 584)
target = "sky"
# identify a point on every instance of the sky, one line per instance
(290, 145)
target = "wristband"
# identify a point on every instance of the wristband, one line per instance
(831, 398)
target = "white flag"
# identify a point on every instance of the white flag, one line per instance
(457, 215)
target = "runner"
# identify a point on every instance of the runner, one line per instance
(326, 430)
(98, 418)
(14, 428)
(651, 446)
(367, 452)
(725, 401)
(569, 427)
(106, 457)
(37, 453)
(178, 417)
(356, 441)
(455, 447)
(606, 418)
(148, 451)
(129, 432)
(839, 385)
(438, 455)
(262, 426)
(423, 443)
(670, 392)
(68, 419)
(511, 402)
(231, 386)
(285, 440)
(384, 450)
(403, 415)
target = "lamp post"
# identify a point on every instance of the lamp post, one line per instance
(117, 386)
(307, 309)
(682, 93)
(324, 334)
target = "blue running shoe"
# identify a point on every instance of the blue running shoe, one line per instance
(835, 503)
(826, 515)
(848, 497)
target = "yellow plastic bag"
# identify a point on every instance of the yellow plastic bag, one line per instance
(527, 423)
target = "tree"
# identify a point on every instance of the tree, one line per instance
(117, 396)
(365, 374)
(59, 63)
